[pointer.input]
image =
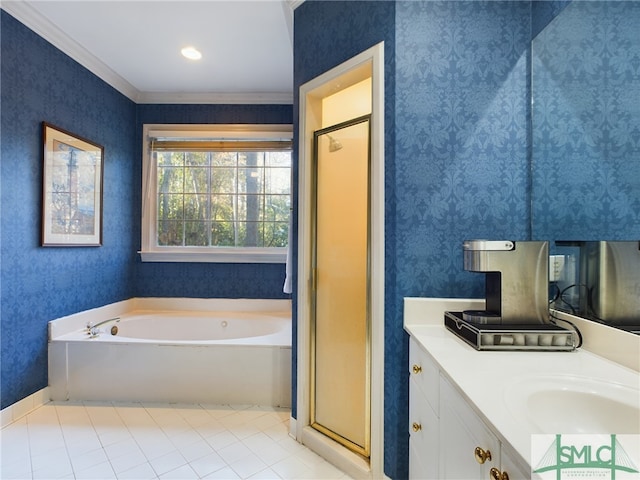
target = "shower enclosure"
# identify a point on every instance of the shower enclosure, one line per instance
(340, 297)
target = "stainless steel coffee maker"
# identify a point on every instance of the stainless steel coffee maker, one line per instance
(517, 281)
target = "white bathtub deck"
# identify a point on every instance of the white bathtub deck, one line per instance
(154, 441)
(250, 370)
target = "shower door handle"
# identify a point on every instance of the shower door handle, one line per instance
(314, 279)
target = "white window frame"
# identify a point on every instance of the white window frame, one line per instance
(150, 250)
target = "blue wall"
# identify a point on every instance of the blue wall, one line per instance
(457, 146)
(39, 83)
(325, 35)
(458, 140)
(214, 280)
(462, 118)
(586, 131)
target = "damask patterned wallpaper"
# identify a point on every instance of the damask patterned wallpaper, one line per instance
(456, 155)
(586, 124)
(457, 145)
(461, 150)
(543, 12)
(206, 280)
(462, 137)
(38, 284)
(326, 34)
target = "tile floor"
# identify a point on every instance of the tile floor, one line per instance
(105, 440)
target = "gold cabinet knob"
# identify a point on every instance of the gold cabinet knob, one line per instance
(416, 427)
(416, 369)
(482, 455)
(496, 474)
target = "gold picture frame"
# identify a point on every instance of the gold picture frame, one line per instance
(72, 189)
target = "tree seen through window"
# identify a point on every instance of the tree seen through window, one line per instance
(224, 199)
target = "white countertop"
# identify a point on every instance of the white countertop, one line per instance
(485, 378)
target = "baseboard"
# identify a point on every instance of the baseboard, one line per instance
(292, 428)
(22, 407)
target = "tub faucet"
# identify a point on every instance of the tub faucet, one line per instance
(94, 330)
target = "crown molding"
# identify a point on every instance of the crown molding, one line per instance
(24, 13)
(295, 3)
(267, 98)
(33, 20)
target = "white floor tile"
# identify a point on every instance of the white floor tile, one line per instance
(154, 444)
(185, 438)
(127, 441)
(196, 450)
(55, 458)
(109, 435)
(208, 464)
(126, 462)
(182, 473)
(15, 469)
(54, 469)
(223, 474)
(140, 472)
(89, 459)
(196, 416)
(278, 431)
(209, 428)
(266, 449)
(234, 452)
(101, 471)
(267, 421)
(291, 467)
(122, 448)
(266, 474)
(326, 471)
(247, 466)
(168, 462)
(221, 440)
(310, 458)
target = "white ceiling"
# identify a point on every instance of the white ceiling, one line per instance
(247, 53)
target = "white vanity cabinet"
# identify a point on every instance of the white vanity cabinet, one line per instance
(423, 414)
(447, 438)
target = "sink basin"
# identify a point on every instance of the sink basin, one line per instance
(572, 404)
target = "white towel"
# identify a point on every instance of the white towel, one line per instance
(287, 288)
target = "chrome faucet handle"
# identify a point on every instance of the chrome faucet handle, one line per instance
(92, 330)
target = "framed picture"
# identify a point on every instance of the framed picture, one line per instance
(72, 189)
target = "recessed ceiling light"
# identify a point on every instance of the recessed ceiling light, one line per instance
(191, 53)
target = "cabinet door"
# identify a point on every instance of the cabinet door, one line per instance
(512, 468)
(425, 372)
(423, 439)
(461, 432)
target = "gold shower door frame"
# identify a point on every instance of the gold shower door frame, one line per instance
(362, 448)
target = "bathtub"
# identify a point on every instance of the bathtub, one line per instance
(208, 351)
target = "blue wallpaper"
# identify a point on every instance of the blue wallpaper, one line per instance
(38, 284)
(326, 34)
(456, 150)
(458, 143)
(462, 132)
(206, 280)
(461, 151)
(543, 12)
(586, 124)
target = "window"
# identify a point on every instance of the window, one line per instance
(216, 193)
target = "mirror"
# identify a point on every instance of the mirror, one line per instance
(585, 68)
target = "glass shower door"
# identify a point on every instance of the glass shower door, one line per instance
(340, 397)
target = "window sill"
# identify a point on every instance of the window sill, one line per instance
(218, 255)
